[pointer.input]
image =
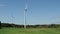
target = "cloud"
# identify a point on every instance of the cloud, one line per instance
(2, 5)
(55, 17)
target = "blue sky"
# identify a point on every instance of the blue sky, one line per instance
(39, 11)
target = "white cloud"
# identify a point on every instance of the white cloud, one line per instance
(55, 17)
(3, 5)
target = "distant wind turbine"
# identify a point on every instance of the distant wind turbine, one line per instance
(12, 19)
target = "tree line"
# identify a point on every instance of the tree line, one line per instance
(7, 25)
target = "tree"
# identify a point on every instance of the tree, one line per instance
(0, 24)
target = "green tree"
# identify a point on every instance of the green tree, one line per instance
(0, 24)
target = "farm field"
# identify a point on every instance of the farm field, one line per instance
(29, 31)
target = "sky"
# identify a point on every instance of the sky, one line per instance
(38, 11)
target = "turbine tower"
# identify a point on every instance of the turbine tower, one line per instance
(25, 14)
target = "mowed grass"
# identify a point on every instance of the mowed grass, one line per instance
(29, 31)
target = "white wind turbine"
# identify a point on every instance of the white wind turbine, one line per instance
(25, 14)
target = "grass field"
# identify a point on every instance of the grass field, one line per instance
(30, 31)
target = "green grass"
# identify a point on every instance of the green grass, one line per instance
(30, 31)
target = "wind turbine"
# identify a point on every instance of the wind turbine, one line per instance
(12, 19)
(25, 14)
